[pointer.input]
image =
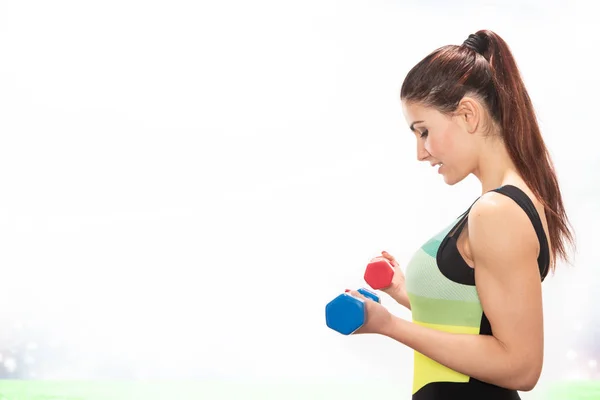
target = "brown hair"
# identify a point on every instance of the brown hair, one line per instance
(484, 67)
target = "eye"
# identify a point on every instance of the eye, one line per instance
(424, 133)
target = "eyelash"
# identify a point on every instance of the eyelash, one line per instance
(424, 133)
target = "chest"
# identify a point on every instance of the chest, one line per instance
(440, 284)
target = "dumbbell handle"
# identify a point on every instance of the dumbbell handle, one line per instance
(370, 295)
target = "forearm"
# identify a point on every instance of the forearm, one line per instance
(482, 357)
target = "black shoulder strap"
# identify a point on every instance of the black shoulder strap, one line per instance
(527, 205)
(462, 219)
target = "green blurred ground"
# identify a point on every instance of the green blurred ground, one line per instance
(223, 390)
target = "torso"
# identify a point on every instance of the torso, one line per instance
(440, 282)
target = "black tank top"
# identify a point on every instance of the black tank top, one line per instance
(443, 296)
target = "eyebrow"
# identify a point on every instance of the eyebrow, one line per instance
(412, 126)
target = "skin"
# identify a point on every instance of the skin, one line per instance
(499, 242)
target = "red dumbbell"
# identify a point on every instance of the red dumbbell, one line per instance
(379, 273)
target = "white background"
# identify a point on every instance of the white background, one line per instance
(184, 185)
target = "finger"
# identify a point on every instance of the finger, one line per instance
(356, 294)
(387, 255)
(391, 261)
(391, 258)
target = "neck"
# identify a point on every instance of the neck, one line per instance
(495, 167)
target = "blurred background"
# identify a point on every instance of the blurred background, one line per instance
(184, 185)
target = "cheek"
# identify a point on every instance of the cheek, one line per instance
(440, 145)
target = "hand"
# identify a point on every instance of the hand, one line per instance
(377, 316)
(397, 289)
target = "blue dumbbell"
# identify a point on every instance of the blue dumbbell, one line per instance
(345, 314)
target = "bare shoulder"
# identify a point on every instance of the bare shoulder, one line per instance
(493, 204)
(497, 224)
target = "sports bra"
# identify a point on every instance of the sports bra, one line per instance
(443, 296)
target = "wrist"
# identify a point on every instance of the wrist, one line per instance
(391, 328)
(400, 295)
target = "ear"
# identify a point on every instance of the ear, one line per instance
(469, 112)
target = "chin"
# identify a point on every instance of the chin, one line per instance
(450, 183)
(452, 180)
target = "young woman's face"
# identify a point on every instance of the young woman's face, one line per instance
(441, 141)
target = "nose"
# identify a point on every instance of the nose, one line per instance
(422, 153)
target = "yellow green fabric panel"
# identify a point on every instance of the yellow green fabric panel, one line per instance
(446, 312)
(428, 371)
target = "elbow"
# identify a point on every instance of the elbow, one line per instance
(528, 378)
(522, 371)
(527, 385)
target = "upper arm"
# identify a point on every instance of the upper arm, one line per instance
(505, 248)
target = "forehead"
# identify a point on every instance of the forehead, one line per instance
(417, 112)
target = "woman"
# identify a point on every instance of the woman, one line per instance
(474, 288)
